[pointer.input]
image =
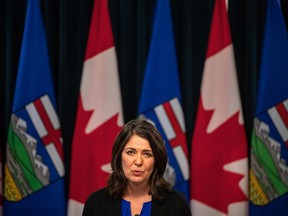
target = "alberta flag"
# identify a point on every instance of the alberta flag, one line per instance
(219, 155)
(161, 98)
(34, 168)
(269, 142)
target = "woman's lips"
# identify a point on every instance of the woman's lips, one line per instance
(137, 172)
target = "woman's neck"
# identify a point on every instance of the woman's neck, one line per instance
(137, 191)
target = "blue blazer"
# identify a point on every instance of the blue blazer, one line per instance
(101, 203)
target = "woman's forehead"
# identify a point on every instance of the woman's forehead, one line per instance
(138, 142)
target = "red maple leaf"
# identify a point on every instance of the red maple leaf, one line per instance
(89, 153)
(211, 184)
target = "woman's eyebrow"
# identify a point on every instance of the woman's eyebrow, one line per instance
(129, 148)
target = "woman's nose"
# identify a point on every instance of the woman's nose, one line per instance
(138, 160)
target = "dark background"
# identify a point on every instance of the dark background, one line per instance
(67, 25)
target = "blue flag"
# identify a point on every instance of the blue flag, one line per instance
(269, 142)
(160, 100)
(34, 167)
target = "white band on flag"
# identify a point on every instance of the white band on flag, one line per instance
(182, 160)
(75, 207)
(50, 111)
(278, 122)
(55, 157)
(175, 104)
(36, 119)
(165, 123)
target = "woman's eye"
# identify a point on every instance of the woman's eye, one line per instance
(130, 152)
(148, 154)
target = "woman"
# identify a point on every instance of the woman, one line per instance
(136, 185)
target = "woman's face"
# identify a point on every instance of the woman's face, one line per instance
(137, 160)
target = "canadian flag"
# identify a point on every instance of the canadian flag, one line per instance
(99, 116)
(219, 163)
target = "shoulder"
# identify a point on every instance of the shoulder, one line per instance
(174, 204)
(175, 196)
(99, 195)
(101, 203)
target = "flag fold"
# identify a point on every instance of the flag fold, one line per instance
(160, 100)
(219, 164)
(34, 167)
(269, 142)
(99, 115)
